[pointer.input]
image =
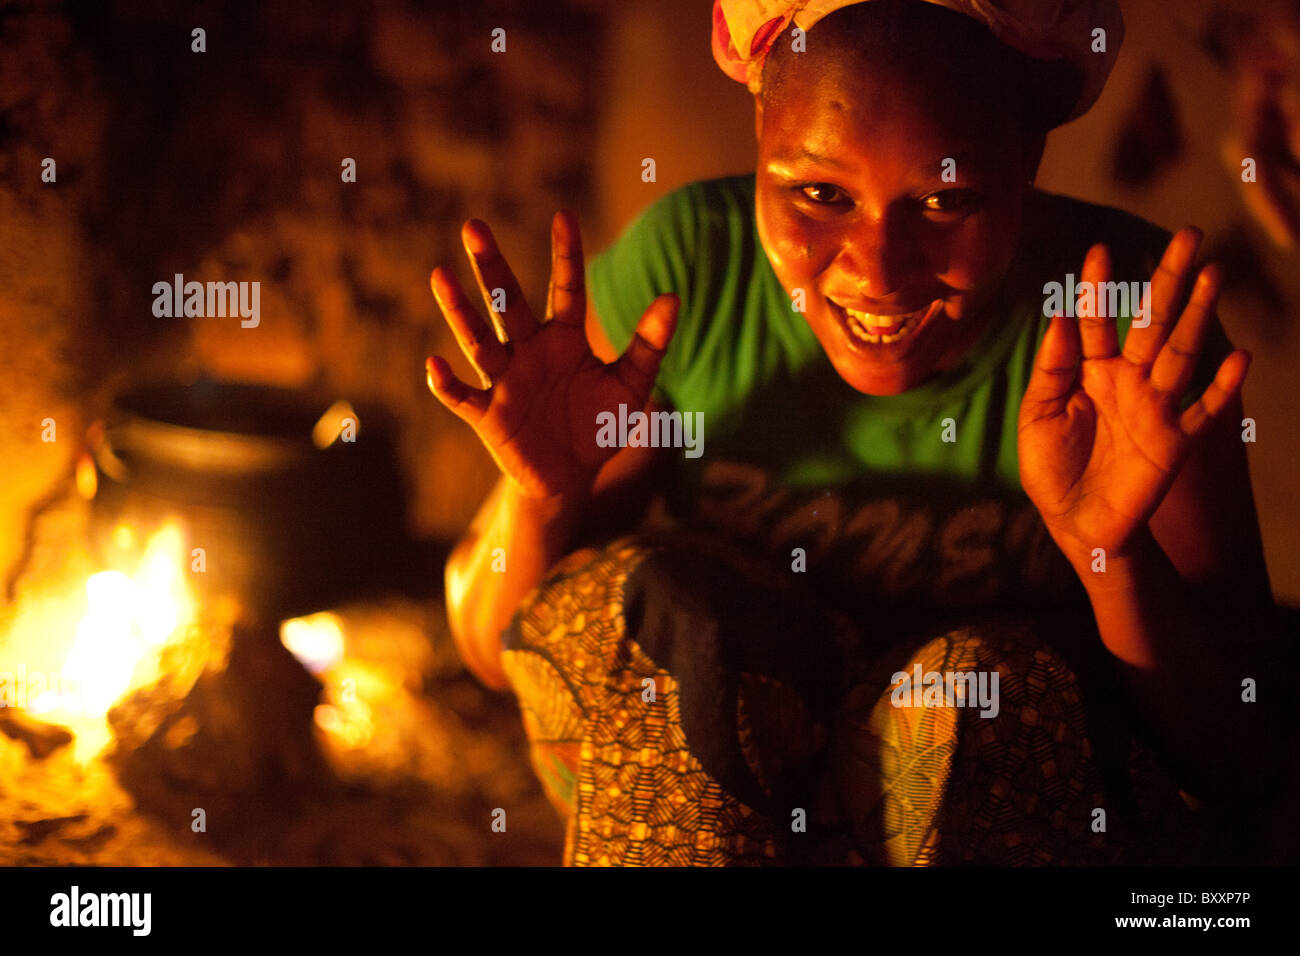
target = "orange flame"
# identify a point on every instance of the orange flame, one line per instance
(126, 617)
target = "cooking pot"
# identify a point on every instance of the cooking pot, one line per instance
(284, 524)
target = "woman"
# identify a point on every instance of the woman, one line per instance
(912, 473)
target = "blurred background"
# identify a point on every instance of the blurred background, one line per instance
(226, 165)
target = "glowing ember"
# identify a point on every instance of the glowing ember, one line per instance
(347, 717)
(316, 640)
(339, 420)
(87, 477)
(123, 536)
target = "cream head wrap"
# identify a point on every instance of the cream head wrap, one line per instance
(744, 30)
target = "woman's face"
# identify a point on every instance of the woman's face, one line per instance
(853, 208)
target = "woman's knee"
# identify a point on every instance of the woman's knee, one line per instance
(980, 724)
(587, 576)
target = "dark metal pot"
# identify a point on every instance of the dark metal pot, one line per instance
(286, 526)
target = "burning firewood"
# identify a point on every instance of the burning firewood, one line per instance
(229, 716)
(42, 739)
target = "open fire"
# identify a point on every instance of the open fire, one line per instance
(136, 685)
(124, 620)
(128, 619)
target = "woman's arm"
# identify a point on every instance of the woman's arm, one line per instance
(1151, 504)
(508, 547)
(484, 585)
(1189, 616)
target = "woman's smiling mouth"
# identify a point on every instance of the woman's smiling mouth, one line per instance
(875, 333)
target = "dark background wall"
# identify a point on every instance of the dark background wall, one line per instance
(225, 165)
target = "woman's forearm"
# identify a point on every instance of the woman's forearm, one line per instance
(511, 544)
(1184, 661)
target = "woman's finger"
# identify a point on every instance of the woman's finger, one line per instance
(1176, 362)
(467, 403)
(638, 366)
(1160, 311)
(505, 300)
(566, 298)
(1227, 383)
(475, 338)
(1055, 368)
(1100, 340)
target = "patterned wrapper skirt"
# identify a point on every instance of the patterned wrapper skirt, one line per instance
(687, 706)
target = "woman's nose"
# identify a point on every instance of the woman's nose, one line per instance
(877, 258)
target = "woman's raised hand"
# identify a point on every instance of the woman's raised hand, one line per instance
(1101, 434)
(542, 385)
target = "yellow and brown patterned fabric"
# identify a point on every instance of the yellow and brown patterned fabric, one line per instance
(714, 746)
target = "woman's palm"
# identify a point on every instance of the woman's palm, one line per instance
(544, 386)
(1101, 442)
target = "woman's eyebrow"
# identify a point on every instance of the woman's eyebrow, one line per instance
(934, 169)
(804, 154)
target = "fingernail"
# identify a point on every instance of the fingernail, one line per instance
(475, 236)
(1187, 252)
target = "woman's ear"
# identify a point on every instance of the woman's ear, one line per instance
(758, 118)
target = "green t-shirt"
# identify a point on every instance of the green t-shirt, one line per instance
(887, 512)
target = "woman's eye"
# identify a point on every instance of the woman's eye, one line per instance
(823, 194)
(951, 201)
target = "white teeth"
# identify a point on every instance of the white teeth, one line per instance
(868, 327)
(873, 321)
